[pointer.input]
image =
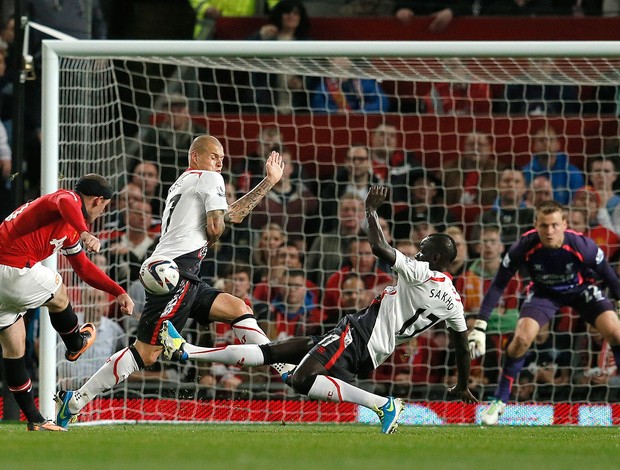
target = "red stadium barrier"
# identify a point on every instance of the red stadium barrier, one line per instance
(294, 411)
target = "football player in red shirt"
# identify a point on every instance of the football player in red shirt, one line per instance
(51, 223)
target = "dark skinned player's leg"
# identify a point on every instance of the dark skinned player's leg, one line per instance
(305, 374)
(290, 350)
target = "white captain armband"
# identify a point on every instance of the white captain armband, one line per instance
(72, 250)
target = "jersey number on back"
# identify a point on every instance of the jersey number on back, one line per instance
(430, 317)
(171, 207)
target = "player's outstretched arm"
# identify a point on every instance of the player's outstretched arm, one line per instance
(380, 247)
(461, 349)
(239, 209)
(95, 277)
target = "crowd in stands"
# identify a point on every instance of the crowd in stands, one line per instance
(302, 259)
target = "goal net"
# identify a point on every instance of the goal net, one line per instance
(449, 127)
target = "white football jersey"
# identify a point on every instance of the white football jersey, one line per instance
(420, 299)
(184, 222)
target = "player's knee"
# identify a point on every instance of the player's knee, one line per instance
(234, 309)
(519, 345)
(59, 300)
(302, 382)
(144, 355)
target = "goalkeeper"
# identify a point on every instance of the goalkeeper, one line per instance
(423, 297)
(563, 266)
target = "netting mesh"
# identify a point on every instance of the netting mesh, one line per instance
(442, 133)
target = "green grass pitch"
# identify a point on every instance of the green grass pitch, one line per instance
(301, 447)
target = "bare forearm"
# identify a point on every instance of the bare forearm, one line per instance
(461, 350)
(239, 209)
(380, 247)
(215, 226)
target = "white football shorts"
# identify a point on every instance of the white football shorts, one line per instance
(25, 288)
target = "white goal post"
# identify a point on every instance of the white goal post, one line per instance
(82, 114)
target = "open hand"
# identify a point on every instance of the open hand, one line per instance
(274, 167)
(463, 393)
(377, 195)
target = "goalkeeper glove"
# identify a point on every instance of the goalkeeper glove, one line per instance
(477, 339)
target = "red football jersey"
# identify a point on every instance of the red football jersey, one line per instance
(41, 227)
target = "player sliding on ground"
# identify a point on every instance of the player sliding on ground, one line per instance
(423, 297)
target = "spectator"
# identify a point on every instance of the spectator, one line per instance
(167, 142)
(607, 240)
(441, 13)
(281, 93)
(394, 167)
(549, 365)
(588, 199)
(353, 298)
(110, 338)
(342, 92)
(603, 174)
(354, 177)
(421, 361)
(145, 175)
(249, 171)
(128, 195)
(329, 249)
(294, 312)
(127, 249)
(285, 258)
(289, 204)
(271, 237)
(421, 230)
(472, 286)
(407, 247)
(458, 266)
(510, 212)
(367, 8)
(460, 97)
(233, 246)
(425, 207)
(469, 180)
(235, 281)
(82, 19)
(548, 161)
(208, 12)
(362, 261)
(596, 372)
(539, 192)
(543, 99)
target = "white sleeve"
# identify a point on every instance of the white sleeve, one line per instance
(213, 189)
(409, 270)
(457, 320)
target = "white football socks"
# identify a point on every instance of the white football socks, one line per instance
(248, 331)
(235, 355)
(116, 369)
(327, 388)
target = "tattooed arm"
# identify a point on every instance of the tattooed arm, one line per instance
(239, 209)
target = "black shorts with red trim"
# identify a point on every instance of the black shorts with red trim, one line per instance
(344, 351)
(190, 299)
